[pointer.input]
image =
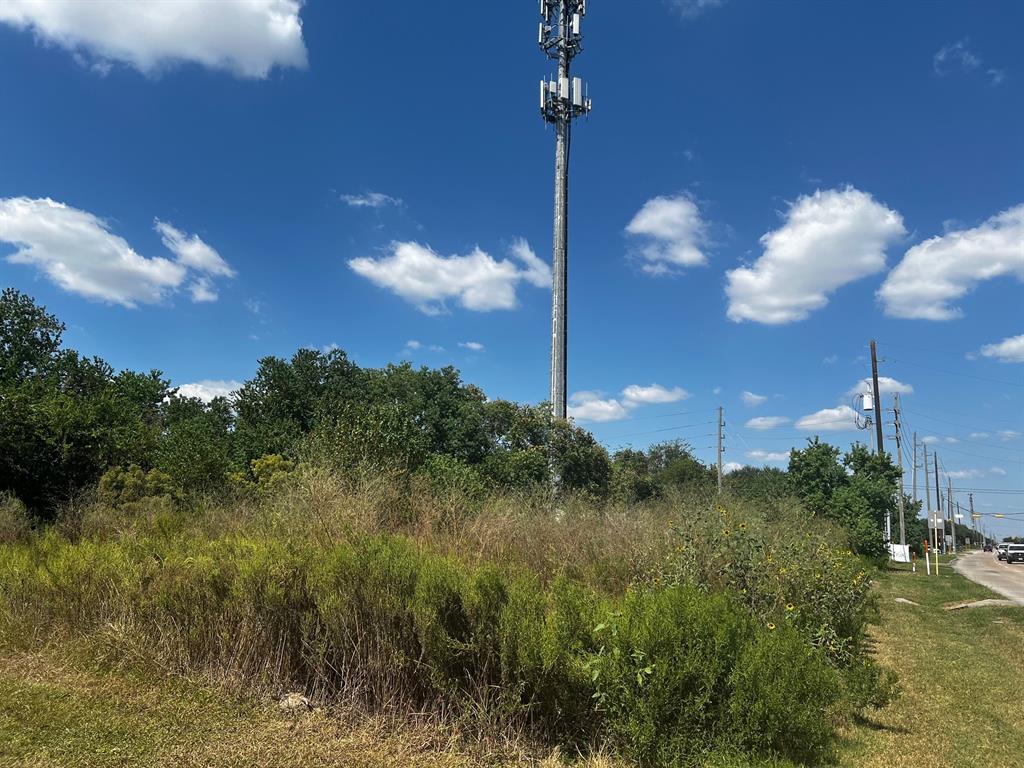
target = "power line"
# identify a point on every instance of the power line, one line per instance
(956, 373)
(665, 429)
(1000, 459)
(965, 426)
(997, 491)
(667, 415)
(954, 440)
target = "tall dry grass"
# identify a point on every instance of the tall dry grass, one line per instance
(579, 622)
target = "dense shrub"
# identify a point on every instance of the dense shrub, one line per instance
(782, 695)
(789, 573)
(121, 486)
(661, 673)
(268, 475)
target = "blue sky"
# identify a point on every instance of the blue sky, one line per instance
(760, 189)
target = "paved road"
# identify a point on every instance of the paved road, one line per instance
(984, 568)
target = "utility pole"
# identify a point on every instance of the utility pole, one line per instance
(721, 424)
(974, 520)
(928, 499)
(561, 102)
(899, 456)
(878, 401)
(915, 469)
(938, 502)
(949, 508)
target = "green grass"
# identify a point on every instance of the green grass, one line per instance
(956, 669)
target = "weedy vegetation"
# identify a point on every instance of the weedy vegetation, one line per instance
(386, 542)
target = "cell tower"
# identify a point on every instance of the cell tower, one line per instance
(561, 101)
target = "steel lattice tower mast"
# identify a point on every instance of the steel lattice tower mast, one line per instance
(561, 101)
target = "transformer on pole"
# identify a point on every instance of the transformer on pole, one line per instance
(561, 101)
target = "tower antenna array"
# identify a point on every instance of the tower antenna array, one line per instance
(562, 100)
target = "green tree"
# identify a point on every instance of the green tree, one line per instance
(815, 474)
(195, 448)
(284, 400)
(859, 492)
(769, 484)
(64, 418)
(30, 338)
(631, 477)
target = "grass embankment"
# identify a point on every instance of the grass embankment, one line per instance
(960, 672)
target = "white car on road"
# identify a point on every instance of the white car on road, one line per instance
(1014, 554)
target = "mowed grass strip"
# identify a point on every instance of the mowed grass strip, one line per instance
(961, 673)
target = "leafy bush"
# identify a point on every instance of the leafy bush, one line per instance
(783, 697)
(790, 573)
(662, 673)
(267, 476)
(120, 486)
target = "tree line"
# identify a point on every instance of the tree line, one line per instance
(66, 419)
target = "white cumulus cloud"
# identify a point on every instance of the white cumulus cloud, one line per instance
(938, 271)
(202, 290)
(208, 389)
(472, 346)
(751, 400)
(77, 251)
(370, 200)
(191, 251)
(964, 474)
(759, 455)
(886, 386)
(476, 281)
(590, 406)
(672, 234)
(245, 37)
(828, 239)
(1009, 350)
(767, 422)
(593, 406)
(636, 394)
(1008, 434)
(837, 419)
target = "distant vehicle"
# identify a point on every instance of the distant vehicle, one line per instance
(1001, 551)
(988, 547)
(1015, 554)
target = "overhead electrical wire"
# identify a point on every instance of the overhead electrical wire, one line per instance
(663, 429)
(900, 361)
